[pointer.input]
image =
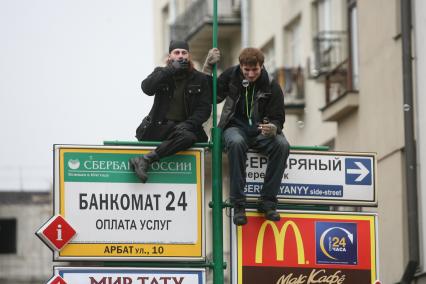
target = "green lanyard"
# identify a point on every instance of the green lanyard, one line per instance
(249, 113)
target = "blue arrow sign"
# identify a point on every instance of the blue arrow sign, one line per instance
(318, 177)
(358, 171)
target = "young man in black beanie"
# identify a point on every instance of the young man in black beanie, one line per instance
(182, 103)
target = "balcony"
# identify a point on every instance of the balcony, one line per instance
(292, 83)
(195, 25)
(340, 97)
(330, 50)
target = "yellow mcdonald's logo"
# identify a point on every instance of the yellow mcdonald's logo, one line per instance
(279, 236)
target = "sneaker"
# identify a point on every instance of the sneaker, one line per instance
(272, 215)
(269, 209)
(140, 166)
(240, 217)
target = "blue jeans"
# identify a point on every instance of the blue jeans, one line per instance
(276, 148)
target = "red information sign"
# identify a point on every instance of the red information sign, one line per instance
(306, 248)
(56, 233)
(57, 280)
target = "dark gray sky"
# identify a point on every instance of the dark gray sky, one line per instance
(70, 73)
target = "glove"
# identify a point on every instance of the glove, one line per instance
(177, 66)
(183, 126)
(212, 58)
(268, 130)
(183, 63)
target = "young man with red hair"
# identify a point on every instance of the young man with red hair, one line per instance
(252, 117)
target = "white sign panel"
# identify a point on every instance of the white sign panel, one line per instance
(106, 275)
(319, 178)
(116, 216)
(138, 208)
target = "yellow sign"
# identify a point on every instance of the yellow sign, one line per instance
(116, 217)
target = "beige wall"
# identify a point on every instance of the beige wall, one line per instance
(268, 21)
(392, 218)
(376, 125)
(380, 117)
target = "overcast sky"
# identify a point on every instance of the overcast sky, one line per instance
(70, 73)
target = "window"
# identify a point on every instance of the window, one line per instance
(269, 52)
(292, 43)
(329, 42)
(165, 22)
(290, 77)
(337, 59)
(323, 15)
(7, 236)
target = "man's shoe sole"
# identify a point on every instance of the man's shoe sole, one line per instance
(239, 221)
(143, 177)
(273, 217)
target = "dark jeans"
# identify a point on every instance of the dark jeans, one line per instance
(276, 148)
(176, 140)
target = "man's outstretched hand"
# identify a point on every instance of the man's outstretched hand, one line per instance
(268, 129)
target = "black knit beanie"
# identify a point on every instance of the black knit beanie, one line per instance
(178, 44)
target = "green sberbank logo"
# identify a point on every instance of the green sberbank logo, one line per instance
(73, 164)
(115, 167)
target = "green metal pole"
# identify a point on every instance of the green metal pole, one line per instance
(215, 27)
(148, 143)
(217, 175)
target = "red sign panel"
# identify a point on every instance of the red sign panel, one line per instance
(306, 248)
(57, 280)
(56, 233)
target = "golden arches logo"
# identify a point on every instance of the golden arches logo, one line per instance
(279, 236)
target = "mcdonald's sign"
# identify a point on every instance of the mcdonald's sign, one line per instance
(279, 236)
(286, 252)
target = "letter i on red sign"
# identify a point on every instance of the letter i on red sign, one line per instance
(56, 233)
(59, 230)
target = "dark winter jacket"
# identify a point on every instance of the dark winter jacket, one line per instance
(268, 100)
(197, 98)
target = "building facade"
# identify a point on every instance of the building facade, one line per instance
(24, 259)
(340, 65)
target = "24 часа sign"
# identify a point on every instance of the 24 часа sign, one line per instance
(306, 248)
(115, 216)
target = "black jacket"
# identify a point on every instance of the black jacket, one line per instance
(197, 98)
(268, 101)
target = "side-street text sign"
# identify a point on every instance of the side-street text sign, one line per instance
(319, 178)
(123, 275)
(115, 216)
(306, 248)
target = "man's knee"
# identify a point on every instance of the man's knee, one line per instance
(234, 139)
(282, 145)
(236, 142)
(183, 137)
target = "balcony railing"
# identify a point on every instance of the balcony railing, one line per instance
(341, 98)
(330, 49)
(336, 82)
(201, 13)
